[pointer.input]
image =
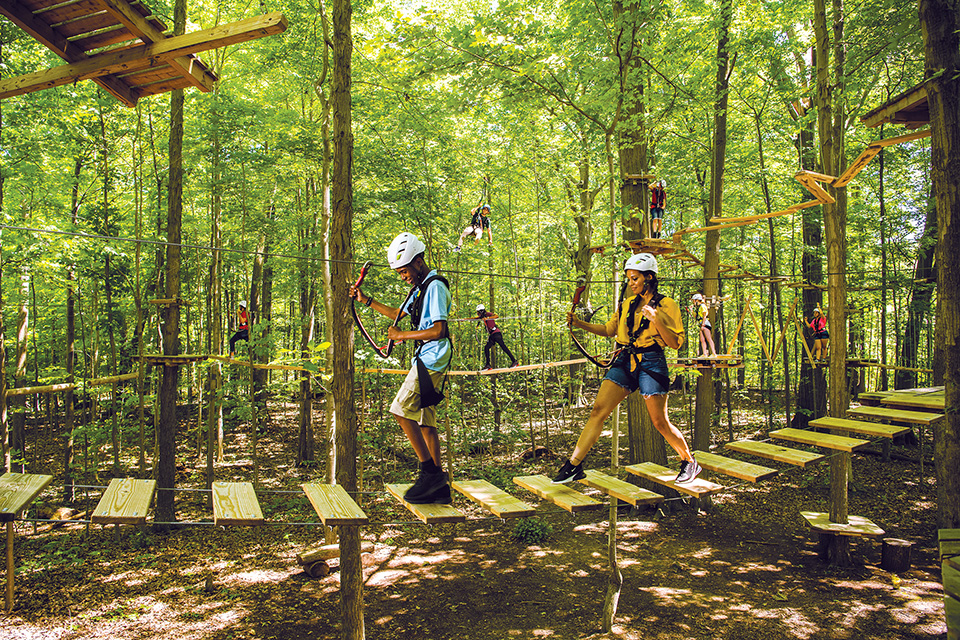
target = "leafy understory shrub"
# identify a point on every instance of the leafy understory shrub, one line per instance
(532, 530)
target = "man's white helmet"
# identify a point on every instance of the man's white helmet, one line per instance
(698, 297)
(242, 303)
(404, 248)
(641, 262)
(480, 308)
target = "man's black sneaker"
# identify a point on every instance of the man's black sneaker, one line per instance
(429, 488)
(569, 472)
(688, 471)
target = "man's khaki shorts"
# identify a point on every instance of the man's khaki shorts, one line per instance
(407, 402)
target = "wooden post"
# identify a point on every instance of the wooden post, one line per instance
(9, 598)
(895, 555)
(614, 578)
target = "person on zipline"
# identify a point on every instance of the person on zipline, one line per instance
(495, 337)
(699, 309)
(658, 195)
(645, 323)
(821, 337)
(243, 328)
(414, 405)
(479, 221)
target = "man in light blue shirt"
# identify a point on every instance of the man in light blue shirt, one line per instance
(414, 405)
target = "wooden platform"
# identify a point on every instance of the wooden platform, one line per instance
(666, 476)
(125, 501)
(495, 500)
(334, 505)
(817, 439)
(896, 415)
(18, 490)
(775, 452)
(559, 494)
(427, 513)
(620, 489)
(856, 526)
(735, 468)
(711, 362)
(235, 503)
(873, 429)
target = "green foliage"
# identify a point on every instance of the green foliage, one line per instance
(531, 531)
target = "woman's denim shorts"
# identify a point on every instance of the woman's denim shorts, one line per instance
(650, 376)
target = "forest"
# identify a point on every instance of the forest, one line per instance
(135, 223)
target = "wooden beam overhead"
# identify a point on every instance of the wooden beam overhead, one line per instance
(104, 65)
(23, 17)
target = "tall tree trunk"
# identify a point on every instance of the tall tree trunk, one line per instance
(167, 395)
(71, 340)
(706, 404)
(341, 248)
(214, 304)
(940, 23)
(921, 294)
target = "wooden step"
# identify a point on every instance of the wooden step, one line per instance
(17, 490)
(620, 489)
(951, 611)
(125, 501)
(775, 452)
(427, 513)
(920, 403)
(235, 503)
(857, 526)
(874, 429)
(731, 467)
(872, 398)
(817, 439)
(559, 494)
(334, 505)
(493, 499)
(666, 476)
(896, 415)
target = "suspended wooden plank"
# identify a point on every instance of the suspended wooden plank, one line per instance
(810, 183)
(47, 388)
(923, 403)
(775, 452)
(757, 217)
(817, 439)
(493, 499)
(873, 429)
(95, 382)
(697, 488)
(125, 501)
(172, 361)
(235, 503)
(17, 490)
(735, 468)
(334, 505)
(856, 526)
(896, 415)
(619, 489)
(559, 494)
(427, 513)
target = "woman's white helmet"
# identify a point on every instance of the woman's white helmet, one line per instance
(404, 248)
(242, 303)
(697, 297)
(480, 308)
(641, 262)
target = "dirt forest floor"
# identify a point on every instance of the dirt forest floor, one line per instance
(747, 568)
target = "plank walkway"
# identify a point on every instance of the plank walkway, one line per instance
(817, 439)
(125, 501)
(426, 513)
(334, 505)
(873, 429)
(653, 472)
(775, 452)
(559, 494)
(924, 418)
(734, 468)
(493, 499)
(18, 490)
(235, 503)
(857, 526)
(620, 489)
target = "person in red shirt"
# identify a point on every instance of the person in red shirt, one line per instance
(821, 337)
(243, 327)
(495, 336)
(658, 195)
